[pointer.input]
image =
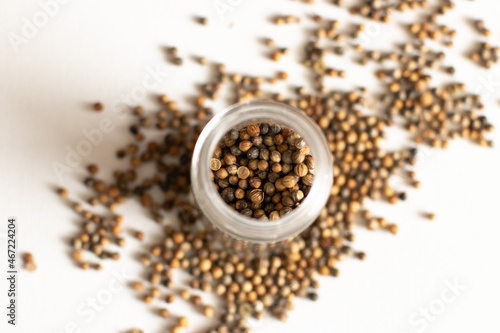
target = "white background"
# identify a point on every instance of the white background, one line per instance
(102, 50)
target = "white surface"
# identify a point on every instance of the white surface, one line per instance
(101, 50)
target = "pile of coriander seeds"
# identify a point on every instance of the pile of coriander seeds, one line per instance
(263, 171)
(259, 284)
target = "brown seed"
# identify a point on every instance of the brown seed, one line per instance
(426, 99)
(301, 170)
(183, 321)
(394, 87)
(289, 181)
(222, 173)
(164, 313)
(263, 165)
(255, 182)
(158, 267)
(274, 215)
(215, 164)
(361, 255)
(185, 294)
(205, 265)
(178, 237)
(282, 75)
(139, 235)
(170, 298)
(63, 193)
(253, 130)
(173, 51)
(206, 287)
(138, 286)
(145, 261)
(208, 311)
(196, 300)
(98, 106)
(393, 228)
(275, 156)
(155, 292)
(84, 265)
(256, 196)
(297, 196)
(163, 99)
(229, 159)
(30, 266)
(203, 60)
(298, 157)
(307, 180)
(276, 55)
(269, 43)
(245, 310)
(97, 267)
(245, 145)
(239, 193)
(77, 255)
(155, 278)
(138, 110)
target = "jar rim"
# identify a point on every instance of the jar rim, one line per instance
(235, 224)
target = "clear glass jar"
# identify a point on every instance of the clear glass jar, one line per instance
(228, 220)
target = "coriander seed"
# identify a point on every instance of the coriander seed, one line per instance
(98, 106)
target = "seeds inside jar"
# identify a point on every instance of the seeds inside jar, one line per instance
(262, 170)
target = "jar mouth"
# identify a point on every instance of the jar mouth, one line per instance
(230, 221)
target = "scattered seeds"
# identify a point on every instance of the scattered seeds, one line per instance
(486, 55)
(481, 28)
(251, 285)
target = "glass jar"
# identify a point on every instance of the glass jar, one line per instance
(229, 221)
